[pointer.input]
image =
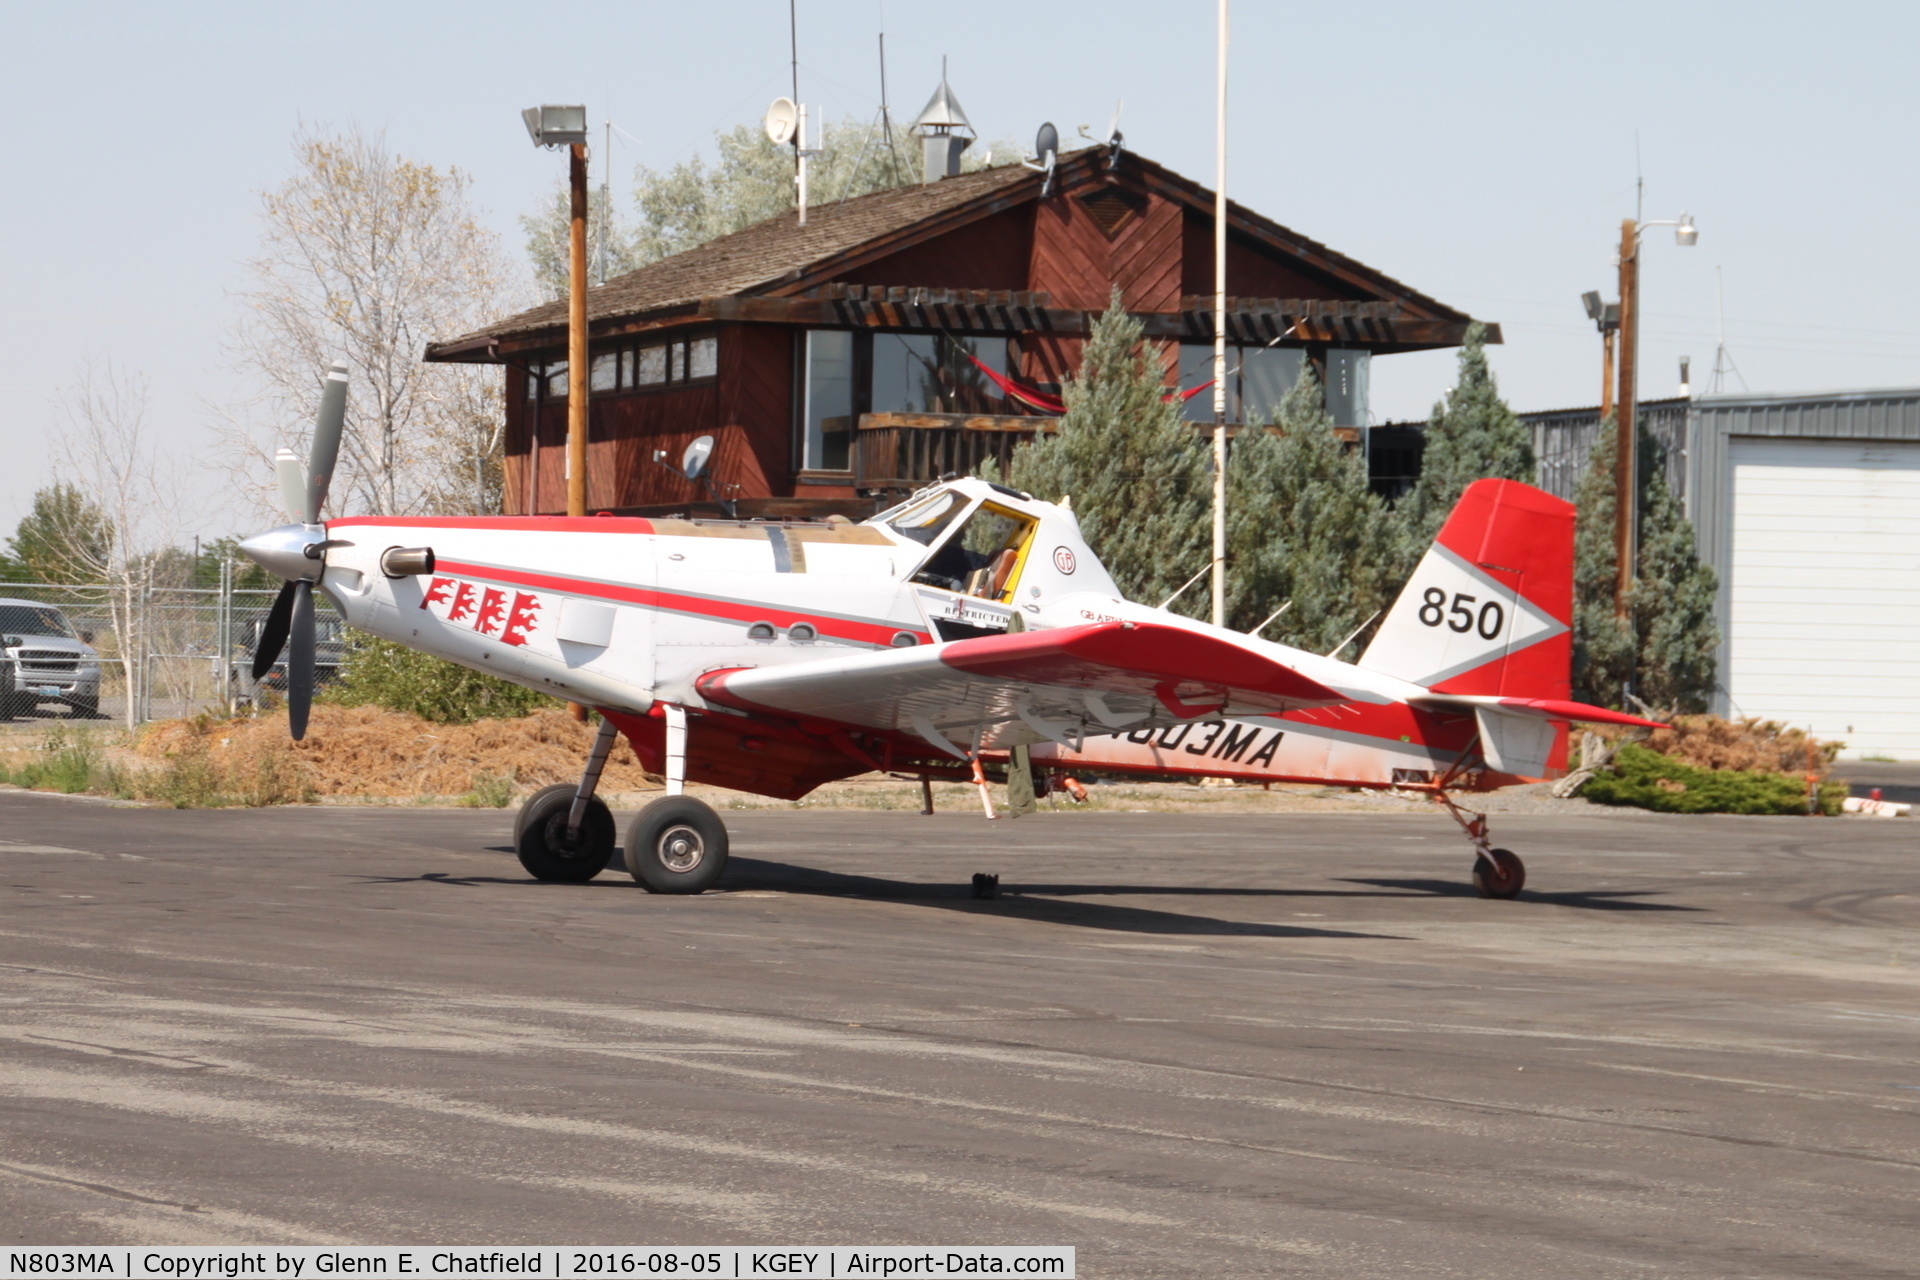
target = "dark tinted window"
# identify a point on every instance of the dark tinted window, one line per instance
(33, 620)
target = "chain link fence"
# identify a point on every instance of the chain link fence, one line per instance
(163, 651)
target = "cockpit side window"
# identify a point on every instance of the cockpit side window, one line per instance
(983, 558)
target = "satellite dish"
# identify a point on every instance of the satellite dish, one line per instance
(693, 463)
(782, 119)
(1046, 144)
(1113, 124)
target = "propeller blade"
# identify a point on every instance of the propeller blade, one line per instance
(273, 636)
(327, 425)
(300, 660)
(293, 483)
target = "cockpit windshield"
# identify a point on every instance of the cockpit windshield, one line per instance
(923, 521)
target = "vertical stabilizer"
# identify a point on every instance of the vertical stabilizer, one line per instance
(1489, 610)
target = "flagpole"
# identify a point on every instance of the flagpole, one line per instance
(1220, 332)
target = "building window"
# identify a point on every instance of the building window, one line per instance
(653, 366)
(703, 357)
(626, 368)
(827, 412)
(936, 373)
(531, 379)
(557, 380)
(1348, 373)
(1196, 369)
(1258, 379)
(1266, 375)
(604, 373)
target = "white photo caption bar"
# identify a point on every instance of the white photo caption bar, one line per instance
(533, 1262)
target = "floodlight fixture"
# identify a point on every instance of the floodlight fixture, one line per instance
(556, 126)
(1595, 308)
(1686, 233)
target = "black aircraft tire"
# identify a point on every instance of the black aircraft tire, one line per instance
(542, 841)
(676, 845)
(534, 801)
(1502, 877)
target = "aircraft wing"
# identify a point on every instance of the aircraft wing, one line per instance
(1031, 686)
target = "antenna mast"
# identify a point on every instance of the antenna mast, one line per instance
(1722, 358)
(606, 208)
(886, 115)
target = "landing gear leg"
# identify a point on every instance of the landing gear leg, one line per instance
(1497, 873)
(677, 844)
(566, 833)
(590, 777)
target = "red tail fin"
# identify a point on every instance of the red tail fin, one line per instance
(1489, 610)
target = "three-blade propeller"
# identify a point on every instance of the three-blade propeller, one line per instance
(289, 623)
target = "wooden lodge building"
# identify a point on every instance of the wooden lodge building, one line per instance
(834, 363)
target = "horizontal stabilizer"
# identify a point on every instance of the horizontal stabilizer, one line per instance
(1542, 708)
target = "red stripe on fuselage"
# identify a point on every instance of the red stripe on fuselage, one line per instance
(654, 598)
(512, 524)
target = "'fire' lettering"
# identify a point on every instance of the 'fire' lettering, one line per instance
(520, 618)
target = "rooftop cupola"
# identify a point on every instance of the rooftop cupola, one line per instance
(944, 132)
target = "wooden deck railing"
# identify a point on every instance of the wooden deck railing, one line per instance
(902, 451)
(907, 450)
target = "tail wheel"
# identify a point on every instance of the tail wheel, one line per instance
(545, 849)
(676, 845)
(1499, 873)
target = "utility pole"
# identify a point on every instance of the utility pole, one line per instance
(1606, 370)
(577, 336)
(1626, 429)
(1220, 332)
(577, 352)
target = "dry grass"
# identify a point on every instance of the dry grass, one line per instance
(365, 752)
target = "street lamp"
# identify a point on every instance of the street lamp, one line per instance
(1606, 318)
(566, 126)
(1627, 424)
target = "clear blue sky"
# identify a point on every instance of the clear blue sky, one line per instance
(1483, 153)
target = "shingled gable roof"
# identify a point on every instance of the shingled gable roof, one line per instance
(779, 258)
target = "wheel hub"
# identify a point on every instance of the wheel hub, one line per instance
(681, 849)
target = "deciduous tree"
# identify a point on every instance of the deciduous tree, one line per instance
(121, 515)
(749, 180)
(367, 256)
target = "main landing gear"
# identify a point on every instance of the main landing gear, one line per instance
(675, 845)
(1497, 873)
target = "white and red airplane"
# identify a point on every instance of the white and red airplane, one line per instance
(933, 640)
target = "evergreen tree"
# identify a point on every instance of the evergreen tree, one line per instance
(1663, 648)
(1673, 598)
(1303, 526)
(1471, 435)
(1602, 642)
(1138, 475)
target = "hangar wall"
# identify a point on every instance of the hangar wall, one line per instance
(1808, 508)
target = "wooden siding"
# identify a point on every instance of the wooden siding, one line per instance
(1079, 263)
(1251, 272)
(746, 409)
(992, 253)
